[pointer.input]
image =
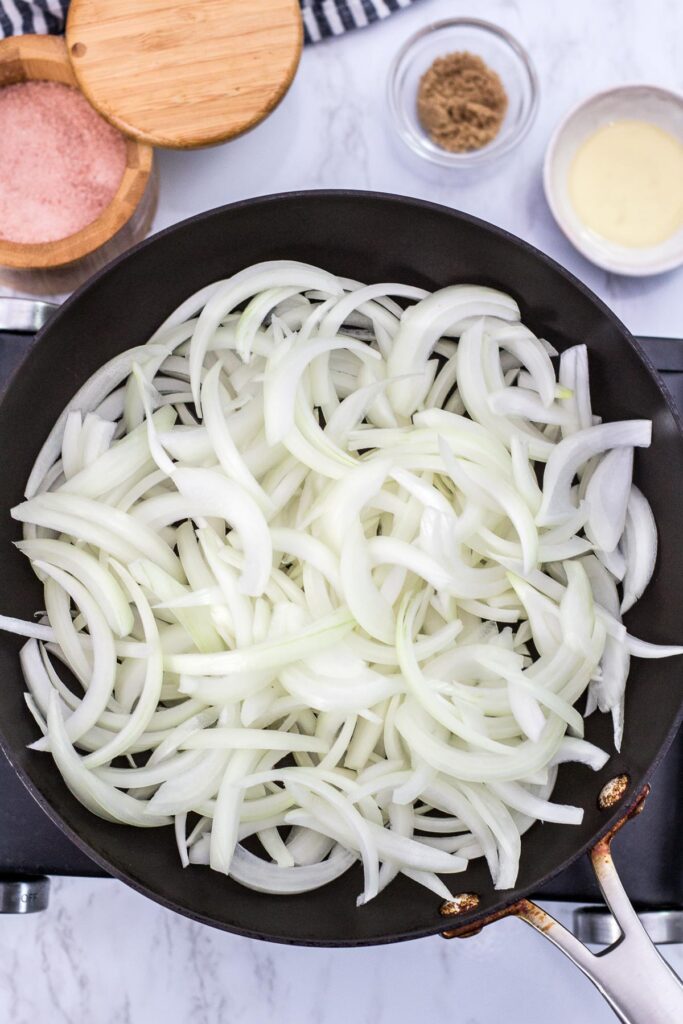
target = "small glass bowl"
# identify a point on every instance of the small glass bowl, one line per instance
(499, 50)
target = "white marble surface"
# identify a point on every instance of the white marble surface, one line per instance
(104, 955)
(333, 129)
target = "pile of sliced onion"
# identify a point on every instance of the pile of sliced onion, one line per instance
(326, 573)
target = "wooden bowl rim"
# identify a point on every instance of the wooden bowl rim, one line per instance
(139, 159)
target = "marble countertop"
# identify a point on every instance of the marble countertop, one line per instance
(102, 954)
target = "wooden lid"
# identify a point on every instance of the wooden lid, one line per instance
(185, 73)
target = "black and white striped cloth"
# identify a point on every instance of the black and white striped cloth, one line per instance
(322, 18)
(19, 17)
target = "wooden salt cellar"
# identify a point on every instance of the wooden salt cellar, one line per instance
(180, 75)
(188, 73)
(49, 268)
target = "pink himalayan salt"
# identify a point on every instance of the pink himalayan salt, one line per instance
(60, 162)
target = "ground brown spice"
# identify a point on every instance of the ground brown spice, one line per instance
(461, 102)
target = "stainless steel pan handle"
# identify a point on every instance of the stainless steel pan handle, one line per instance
(24, 316)
(638, 984)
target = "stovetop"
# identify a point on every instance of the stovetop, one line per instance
(647, 852)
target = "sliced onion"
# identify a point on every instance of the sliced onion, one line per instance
(256, 874)
(640, 542)
(573, 452)
(607, 496)
(257, 543)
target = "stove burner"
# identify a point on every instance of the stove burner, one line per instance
(647, 852)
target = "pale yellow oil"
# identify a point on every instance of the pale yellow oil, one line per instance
(626, 183)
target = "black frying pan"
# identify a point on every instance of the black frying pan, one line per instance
(372, 238)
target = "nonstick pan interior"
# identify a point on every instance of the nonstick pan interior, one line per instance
(371, 238)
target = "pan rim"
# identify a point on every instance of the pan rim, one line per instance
(513, 895)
